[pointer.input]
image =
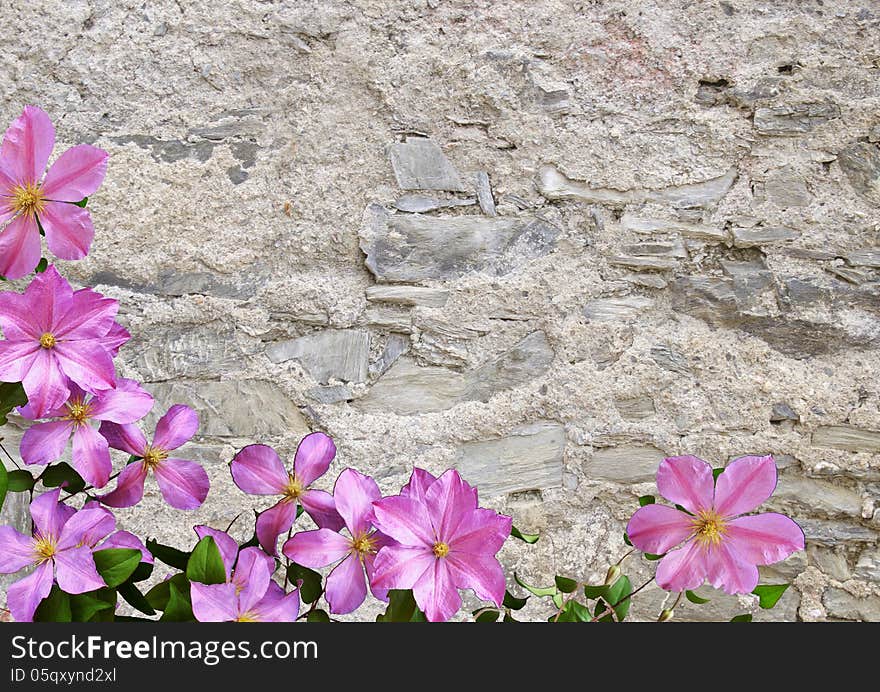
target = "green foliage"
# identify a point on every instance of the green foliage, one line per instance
(742, 618)
(693, 598)
(179, 607)
(318, 616)
(310, 589)
(54, 608)
(11, 396)
(63, 475)
(529, 538)
(21, 481)
(85, 607)
(617, 597)
(170, 556)
(626, 539)
(572, 612)
(716, 473)
(769, 594)
(536, 590)
(135, 598)
(402, 607)
(646, 500)
(651, 556)
(487, 616)
(159, 596)
(116, 565)
(565, 585)
(42, 266)
(4, 483)
(514, 603)
(83, 202)
(205, 565)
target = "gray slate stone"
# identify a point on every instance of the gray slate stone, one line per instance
(187, 351)
(419, 164)
(635, 408)
(843, 605)
(528, 359)
(408, 295)
(830, 532)
(484, 193)
(782, 411)
(763, 235)
(647, 225)
(868, 257)
(806, 495)
(846, 437)
(419, 204)
(395, 347)
(793, 119)
(861, 164)
(669, 359)
(621, 308)
(644, 263)
(529, 458)
(340, 354)
(330, 395)
(624, 464)
(868, 565)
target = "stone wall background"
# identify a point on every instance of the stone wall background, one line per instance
(548, 242)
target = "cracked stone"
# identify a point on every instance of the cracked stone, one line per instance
(860, 162)
(847, 438)
(763, 235)
(339, 354)
(419, 164)
(793, 119)
(624, 464)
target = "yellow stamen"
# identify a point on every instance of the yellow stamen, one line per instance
(363, 544)
(154, 456)
(709, 528)
(47, 340)
(28, 199)
(44, 548)
(293, 489)
(247, 617)
(78, 411)
(441, 549)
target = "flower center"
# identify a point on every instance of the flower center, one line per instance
(247, 616)
(440, 549)
(28, 199)
(293, 489)
(78, 411)
(709, 528)
(44, 548)
(47, 340)
(154, 456)
(363, 544)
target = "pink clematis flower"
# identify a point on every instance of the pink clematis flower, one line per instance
(27, 198)
(184, 484)
(55, 336)
(353, 494)
(44, 443)
(446, 543)
(719, 544)
(258, 470)
(61, 547)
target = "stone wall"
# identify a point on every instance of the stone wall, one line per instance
(547, 242)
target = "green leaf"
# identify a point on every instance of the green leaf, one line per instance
(769, 594)
(4, 483)
(318, 616)
(115, 565)
(85, 606)
(401, 608)
(486, 616)
(63, 475)
(646, 500)
(536, 590)
(135, 598)
(693, 598)
(592, 592)
(742, 618)
(615, 596)
(626, 539)
(527, 537)
(573, 612)
(557, 600)
(509, 618)
(83, 202)
(170, 556)
(205, 565)
(42, 265)
(160, 594)
(54, 608)
(512, 602)
(179, 608)
(21, 481)
(565, 585)
(716, 473)
(651, 556)
(142, 572)
(311, 589)
(11, 396)
(680, 508)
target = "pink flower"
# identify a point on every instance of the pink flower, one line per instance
(44, 443)
(258, 470)
(446, 543)
(26, 197)
(719, 544)
(54, 336)
(184, 484)
(353, 494)
(249, 594)
(61, 547)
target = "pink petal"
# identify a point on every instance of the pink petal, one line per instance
(75, 570)
(87, 363)
(44, 443)
(49, 295)
(23, 597)
(346, 586)
(682, 568)
(20, 249)
(184, 484)
(129, 487)
(405, 520)
(353, 496)
(257, 469)
(176, 427)
(76, 174)
(124, 539)
(45, 384)
(381, 541)
(763, 539)
(319, 505)
(480, 531)
(225, 544)
(657, 528)
(69, 230)
(27, 144)
(482, 573)
(273, 522)
(16, 550)
(316, 548)
(49, 515)
(91, 456)
(313, 457)
(418, 484)
(449, 500)
(16, 319)
(727, 570)
(284, 609)
(17, 359)
(128, 403)
(252, 577)
(686, 481)
(115, 339)
(746, 483)
(88, 316)
(400, 567)
(214, 602)
(435, 593)
(126, 438)
(86, 527)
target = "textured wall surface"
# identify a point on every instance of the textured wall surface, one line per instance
(547, 242)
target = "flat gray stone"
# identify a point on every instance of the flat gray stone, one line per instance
(793, 119)
(340, 354)
(868, 257)
(650, 226)
(868, 565)
(330, 395)
(419, 204)
(673, 248)
(781, 412)
(624, 464)
(846, 437)
(529, 458)
(644, 263)
(831, 532)
(806, 495)
(528, 359)
(763, 235)
(419, 164)
(395, 346)
(400, 294)
(484, 193)
(861, 164)
(830, 561)
(617, 309)
(669, 359)
(842, 605)
(635, 408)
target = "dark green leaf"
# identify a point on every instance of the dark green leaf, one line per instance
(509, 618)
(592, 592)
(536, 590)
(618, 595)
(170, 556)
(652, 557)
(310, 590)
(318, 616)
(160, 594)
(54, 608)
(742, 618)
(143, 571)
(646, 500)
(527, 537)
(401, 608)
(682, 509)
(42, 265)
(512, 602)
(565, 585)
(253, 542)
(63, 475)
(179, 608)
(115, 565)
(716, 473)
(135, 598)
(572, 612)
(486, 616)
(85, 606)
(130, 618)
(11, 396)
(769, 594)
(4, 483)
(626, 539)
(83, 202)
(20, 481)
(693, 598)
(205, 565)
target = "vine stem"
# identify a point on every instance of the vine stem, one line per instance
(86, 488)
(11, 458)
(612, 606)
